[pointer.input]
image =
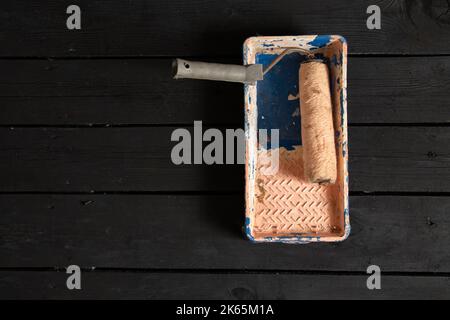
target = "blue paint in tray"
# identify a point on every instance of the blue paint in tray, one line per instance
(275, 110)
(320, 42)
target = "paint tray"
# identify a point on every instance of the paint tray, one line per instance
(282, 206)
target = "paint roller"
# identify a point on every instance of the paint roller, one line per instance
(319, 155)
(316, 109)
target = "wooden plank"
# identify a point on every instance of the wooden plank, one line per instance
(141, 91)
(399, 159)
(139, 159)
(394, 90)
(147, 285)
(397, 233)
(118, 28)
(111, 91)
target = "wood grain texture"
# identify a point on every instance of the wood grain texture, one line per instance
(142, 91)
(398, 233)
(119, 285)
(399, 159)
(138, 159)
(175, 232)
(199, 27)
(112, 91)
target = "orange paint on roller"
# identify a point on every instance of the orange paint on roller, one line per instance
(319, 151)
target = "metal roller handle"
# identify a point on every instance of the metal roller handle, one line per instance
(216, 71)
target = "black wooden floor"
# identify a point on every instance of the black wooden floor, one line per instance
(86, 176)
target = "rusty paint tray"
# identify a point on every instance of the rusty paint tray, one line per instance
(280, 205)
